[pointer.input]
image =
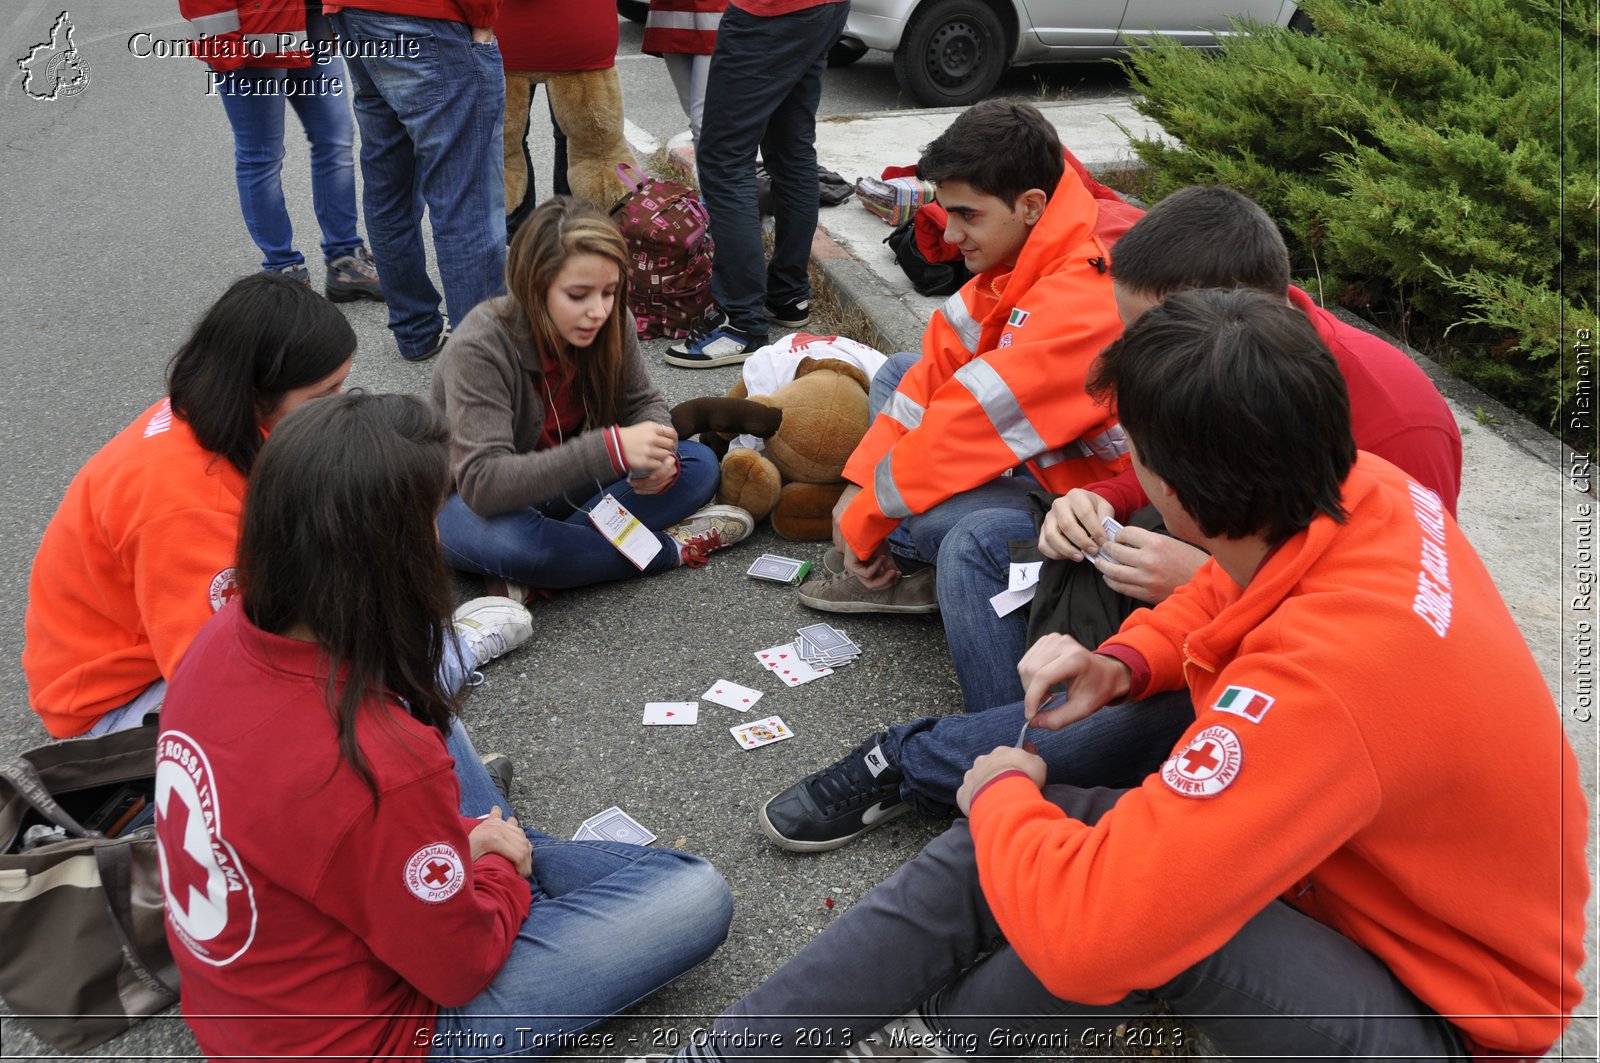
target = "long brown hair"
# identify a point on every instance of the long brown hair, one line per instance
(559, 229)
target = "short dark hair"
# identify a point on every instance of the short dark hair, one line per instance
(1231, 398)
(1002, 148)
(1203, 236)
(265, 336)
(338, 537)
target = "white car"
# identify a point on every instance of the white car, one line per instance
(952, 52)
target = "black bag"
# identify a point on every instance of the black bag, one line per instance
(85, 954)
(928, 278)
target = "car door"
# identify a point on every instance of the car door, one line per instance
(1074, 23)
(1195, 21)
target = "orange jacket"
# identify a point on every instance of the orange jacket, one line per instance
(137, 557)
(1374, 744)
(1000, 381)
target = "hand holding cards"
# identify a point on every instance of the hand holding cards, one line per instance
(1112, 528)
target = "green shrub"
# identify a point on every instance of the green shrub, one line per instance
(1434, 159)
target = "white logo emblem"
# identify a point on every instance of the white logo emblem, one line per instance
(1207, 765)
(210, 902)
(435, 873)
(54, 69)
(877, 763)
(224, 587)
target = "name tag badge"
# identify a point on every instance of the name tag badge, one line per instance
(623, 530)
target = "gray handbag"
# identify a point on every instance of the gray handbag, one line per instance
(85, 952)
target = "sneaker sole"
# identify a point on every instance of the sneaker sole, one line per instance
(789, 322)
(795, 846)
(823, 605)
(349, 295)
(686, 362)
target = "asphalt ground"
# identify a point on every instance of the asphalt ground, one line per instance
(120, 226)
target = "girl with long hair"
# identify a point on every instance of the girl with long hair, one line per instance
(342, 878)
(552, 409)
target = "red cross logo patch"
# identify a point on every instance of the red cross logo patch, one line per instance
(435, 873)
(1207, 765)
(224, 588)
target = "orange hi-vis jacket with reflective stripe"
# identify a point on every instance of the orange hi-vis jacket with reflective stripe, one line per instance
(1000, 381)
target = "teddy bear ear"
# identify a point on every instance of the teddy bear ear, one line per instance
(809, 364)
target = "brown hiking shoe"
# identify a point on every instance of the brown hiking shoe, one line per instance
(915, 592)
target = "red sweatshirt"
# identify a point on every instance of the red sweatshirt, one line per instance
(479, 14)
(138, 555)
(1373, 744)
(306, 919)
(1395, 412)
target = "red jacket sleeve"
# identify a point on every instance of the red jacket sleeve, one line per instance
(1157, 634)
(1123, 491)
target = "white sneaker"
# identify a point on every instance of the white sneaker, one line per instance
(907, 1037)
(491, 627)
(708, 529)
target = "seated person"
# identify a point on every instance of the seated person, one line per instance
(1369, 844)
(370, 896)
(551, 409)
(1198, 237)
(140, 552)
(999, 383)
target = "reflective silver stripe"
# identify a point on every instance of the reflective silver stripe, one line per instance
(278, 43)
(955, 312)
(1109, 445)
(1061, 454)
(699, 21)
(890, 501)
(1005, 412)
(904, 410)
(214, 25)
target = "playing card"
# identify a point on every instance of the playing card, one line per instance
(731, 694)
(778, 569)
(585, 835)
(827, 638)
(615, 825)
(665, 713)
(1112, 528)
(785, 663)
(761, 732)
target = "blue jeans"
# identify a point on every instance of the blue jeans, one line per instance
(254, 100)
(1117, 746)
(554, 545)
(974, 565)
(762, 93)
(610, 924)
(430, 104)
(1284, 987)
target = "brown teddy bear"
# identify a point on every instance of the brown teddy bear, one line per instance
(821, 416)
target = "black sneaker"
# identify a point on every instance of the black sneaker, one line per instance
(713, 342)
(838, 804)
(790, 315)
(432, 349)
(500, 770)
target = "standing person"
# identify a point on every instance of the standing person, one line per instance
(761, 95)
(1369, 844)
(140, 553)
(430, 96)
(684, 34)
(302, 70)
(552, 410)
(368, 896)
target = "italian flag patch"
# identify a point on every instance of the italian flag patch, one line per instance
(1242, 701)
(1018, 318)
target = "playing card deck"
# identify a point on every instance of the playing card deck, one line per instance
(778, 569)
(614, 825)
(823, 645)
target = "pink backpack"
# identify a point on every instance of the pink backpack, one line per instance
(667, 231)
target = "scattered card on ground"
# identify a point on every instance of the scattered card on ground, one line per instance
(734, 696)
(613, 825)
(779, 569)
(668, 713)
(786, 663)
(761, 732)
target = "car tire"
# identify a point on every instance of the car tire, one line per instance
(952, 54)
(633, 10)
(844, 53)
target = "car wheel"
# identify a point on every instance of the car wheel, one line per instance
(843, 53)
(633, 10)
(952, 54)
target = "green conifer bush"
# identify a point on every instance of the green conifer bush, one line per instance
(1434, 156)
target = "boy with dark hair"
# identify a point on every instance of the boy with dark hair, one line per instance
(1211, 237)
(1327, 864)
(999, 382)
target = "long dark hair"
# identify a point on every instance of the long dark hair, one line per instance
(338, 541)
(559, 229)
(267, 335)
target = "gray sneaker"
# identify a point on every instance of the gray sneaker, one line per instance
(352, 277)
(915, 592)
(297, 273)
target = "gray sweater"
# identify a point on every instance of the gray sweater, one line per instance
(488, 384)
